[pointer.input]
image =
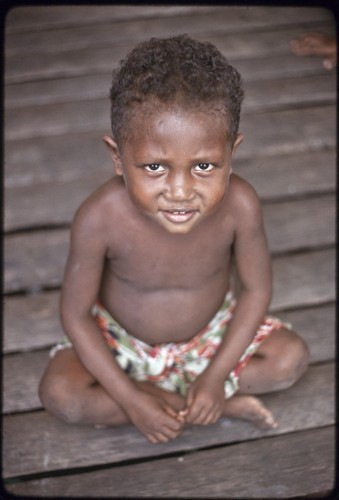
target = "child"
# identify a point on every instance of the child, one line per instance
(156, 337)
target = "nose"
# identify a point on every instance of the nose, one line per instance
(179, 187)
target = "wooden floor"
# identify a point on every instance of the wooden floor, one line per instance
(57, 76)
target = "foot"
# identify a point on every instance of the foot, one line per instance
(319, 45)
(251, 409)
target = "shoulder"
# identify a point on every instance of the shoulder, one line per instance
(242, 194)
(99, 207)
(243, 200)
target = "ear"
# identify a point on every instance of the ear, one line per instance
(114, 152)
(237, 142)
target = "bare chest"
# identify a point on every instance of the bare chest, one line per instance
(156, 261)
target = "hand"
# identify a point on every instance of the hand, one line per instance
(155, 418)
(205, 401)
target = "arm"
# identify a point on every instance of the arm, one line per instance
(88, 249)
(254, 270)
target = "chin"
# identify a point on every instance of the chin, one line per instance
(178, 228)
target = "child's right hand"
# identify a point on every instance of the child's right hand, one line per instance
(155, 418)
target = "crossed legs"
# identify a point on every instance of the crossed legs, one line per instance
(68, 390)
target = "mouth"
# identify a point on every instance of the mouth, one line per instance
(179, 215)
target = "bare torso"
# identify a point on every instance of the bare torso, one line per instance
(163, 287)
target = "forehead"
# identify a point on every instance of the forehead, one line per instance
(161, 121)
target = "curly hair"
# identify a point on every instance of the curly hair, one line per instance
(177, 69)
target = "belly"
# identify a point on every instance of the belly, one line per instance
(166, 315)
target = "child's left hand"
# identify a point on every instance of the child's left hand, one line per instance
(205, 401)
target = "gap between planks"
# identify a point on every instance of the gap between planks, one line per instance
(42, 18)
(297, 464)
(308, 404)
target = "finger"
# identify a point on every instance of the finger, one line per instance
(207, 416)
(170, 411)
(203, 417)
(182, 415)
(194, 413)
(173, 424)
(210, 418)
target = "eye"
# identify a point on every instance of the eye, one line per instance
(154, 167)
(204, 167)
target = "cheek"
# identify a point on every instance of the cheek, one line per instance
(142, 194)
(216, 194)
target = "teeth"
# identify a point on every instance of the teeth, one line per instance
(179, 213)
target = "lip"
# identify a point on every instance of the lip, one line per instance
(178, 215)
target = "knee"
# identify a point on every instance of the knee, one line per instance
(58, 399)
(292, 362)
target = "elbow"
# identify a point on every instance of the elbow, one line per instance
(73, 322)
(66, 318)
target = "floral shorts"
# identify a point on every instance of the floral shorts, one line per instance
(174, 366)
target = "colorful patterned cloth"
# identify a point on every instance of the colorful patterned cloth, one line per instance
(174, 366)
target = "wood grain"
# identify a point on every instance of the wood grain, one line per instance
(114, 30)
(58, 61)
(47, 444)
(302, 463)
(261, 77)
(24, 19)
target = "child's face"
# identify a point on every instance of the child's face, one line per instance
(176, 166)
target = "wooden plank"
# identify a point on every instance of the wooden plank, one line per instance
(68, 61)
(278, 66)
(288, 175)
(21, 213)
(226, 20)
(42, 92)
(35, 260)
(289, 131)
(289, 92)
(47, 444)
(31, 321)
(303, 279)
(24, 19)
(33, 121)
(316, 325)
(274, 178)
(300, 224)
(54, 159)
(296, 465)
(22, 373)
(272, 40)
(57, 119)
(66, 157)
(255, 71)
